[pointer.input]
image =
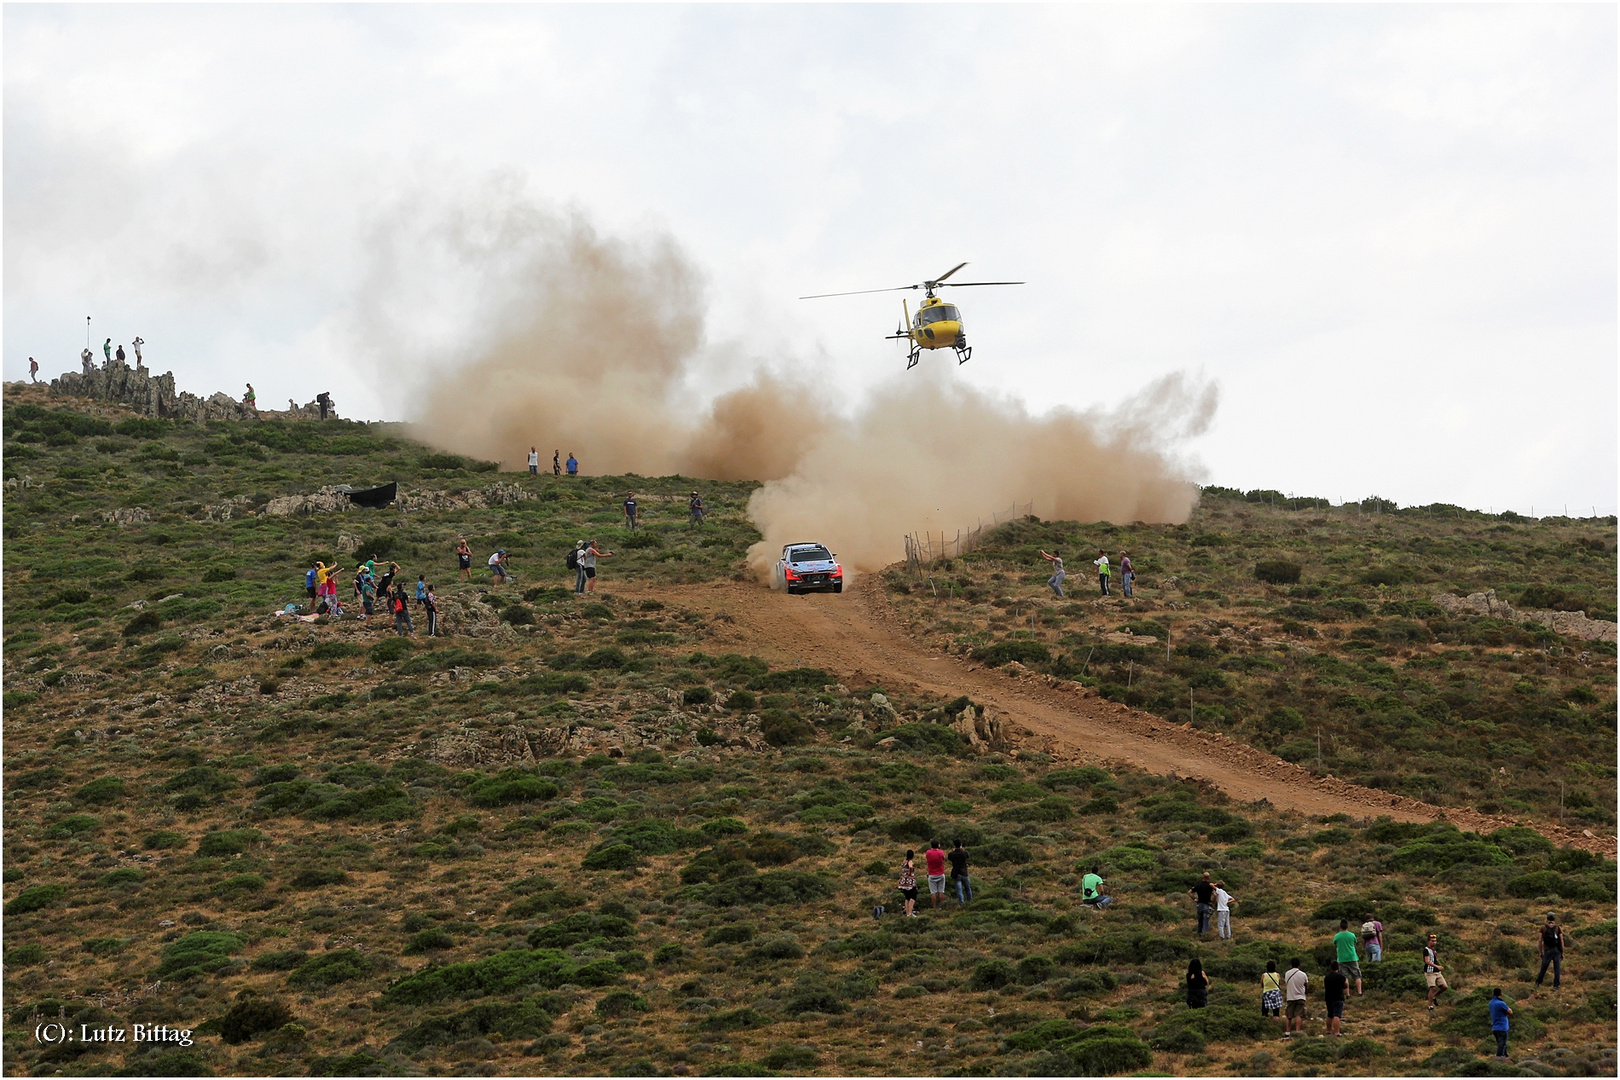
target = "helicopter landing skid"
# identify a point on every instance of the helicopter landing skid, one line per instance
(911, 359)
(964, 354)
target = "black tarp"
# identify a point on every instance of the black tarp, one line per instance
(376, 497)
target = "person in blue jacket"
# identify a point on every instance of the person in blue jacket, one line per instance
(1499, 1023)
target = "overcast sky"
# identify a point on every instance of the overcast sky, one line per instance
(1387, 233)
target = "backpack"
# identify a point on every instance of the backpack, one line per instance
(573, 558)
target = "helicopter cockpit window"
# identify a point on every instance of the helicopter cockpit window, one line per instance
(941, 313)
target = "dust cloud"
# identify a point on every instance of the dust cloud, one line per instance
(596, 345)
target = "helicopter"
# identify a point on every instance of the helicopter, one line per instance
(937, 325)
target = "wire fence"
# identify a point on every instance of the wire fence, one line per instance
(925, 549)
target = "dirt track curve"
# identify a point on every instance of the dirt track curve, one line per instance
(858, 637)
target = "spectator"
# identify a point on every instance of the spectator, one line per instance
(33, 369)
(556, 463)
(1372, 938)
(908, 884)
(432, 605)
(1055, 582)
(588, 561)
(324, 400)
(1101, 563)
(368, 593)
(402, 613)
(1333, 991)
(385, 582)
(1344, 945)
(1091, 891)
(1197, 985)
(1434, 972)
(137, 343)
(120, 354)
(421, 589)
(959, 871)
(576, 558)
(1204, 893)
(1223, 911)
(630, 509)
(573, 464)
(359, 573)
(1551, 948)
(1127, 573)
(87, 358)
(464, 557)
(934, 857)
(106, 349)
(534, 461)
(695, 505)
(1271, 997)
(250, 399)
(1499, 1022)
(1296, 984)
(309, 586)
(497, 566)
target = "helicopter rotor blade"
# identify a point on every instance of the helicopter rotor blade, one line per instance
(967, 284)
(859, 292)
(948, 273)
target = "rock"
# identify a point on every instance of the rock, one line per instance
(1015, 669)
(983, 731)
(154, 395)
(496, 494)
(883, 714)
(325, 501)
(887, 744)
(1569, 623)
(127, 515)
(347, 545)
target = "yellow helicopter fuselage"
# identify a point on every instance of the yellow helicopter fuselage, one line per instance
(937, 325)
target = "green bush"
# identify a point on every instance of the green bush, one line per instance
(318, 878)
(227, 842)
(163, 840)
(1277, 572)
(390, 650)
(992, 975)
(511, 786)
(426, 941)
(73, 825)
(35, 898)
(734, 1020)
(108, 789)
(335, 650)
(279, 960)
(197, 954)
(610, 857)
(1018, 649)
(620, 1003)
(253, 1016)
(773, 887)
(329, 969)
(503, 973)
(697, 695)
(526, 1019)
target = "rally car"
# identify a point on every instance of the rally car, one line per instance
(808, 567)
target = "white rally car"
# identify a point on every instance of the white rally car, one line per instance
(808, 567)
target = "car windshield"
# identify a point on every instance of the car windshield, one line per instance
(815, 554)
(942, 313)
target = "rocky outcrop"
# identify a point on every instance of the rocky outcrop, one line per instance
(496, 494)
(325, 501)
(1569, 623)
(983, 730)
(126, 515)
(155, 395)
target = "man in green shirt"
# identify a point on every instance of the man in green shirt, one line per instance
(1091, 893)
(1344, 942)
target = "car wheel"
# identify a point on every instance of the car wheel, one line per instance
(838, 588)
(792, 590)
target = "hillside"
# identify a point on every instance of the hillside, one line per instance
(636, 835)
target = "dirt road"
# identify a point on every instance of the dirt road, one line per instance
(857, 637)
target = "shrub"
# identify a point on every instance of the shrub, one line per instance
(1004, 652)
(912, 830)
(621, 1003)
(35, 898)
(773, 887)
(390, 650)
(197, 954)
(279, 960)
(1035, 969)
(73, 825)
(228, 842)
(238, 883)
(1217, 1023)
(430, 940)
(732, 934)
(610, 857)
(318, 878)
(782, 728)
(502, 973)
(108, 789)
(329, 969)
(163, 840)
(526, 1019)
(100, 946)
(697, 695)
(932, 738)
(251, 1017)
(21, 956)
(570, 930)
(734, 1020)
(992, 975)
(1277, 572)
(741, 701)
(722, 826)
(510, 786)
(811, 997)
(143, 623)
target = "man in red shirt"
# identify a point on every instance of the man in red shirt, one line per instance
(935, 857)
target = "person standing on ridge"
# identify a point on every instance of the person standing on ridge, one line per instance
(33, 369)
(250, 399)
(324, 400)
(1055, 582)
(1434, 972)
(630, 510)
(1344, 946)
(1372, 937)
(1499, 1022)
(934, 857)
(1223, 911)
(573, 464)
(87, 358)
(136, 344)
(1551, 948)
(587, 559)
(959, 871)
(1203, 893)
(120, 354)
(695, 506)
(534, 461)
(1127, 573)
(556, 463)
(1101, 563)
(106, 348)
